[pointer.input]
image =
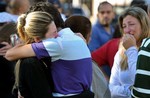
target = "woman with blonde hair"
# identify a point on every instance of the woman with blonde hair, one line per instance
(67, 61)
(134, 23)
(30, 73)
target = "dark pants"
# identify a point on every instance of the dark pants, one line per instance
(85, 94)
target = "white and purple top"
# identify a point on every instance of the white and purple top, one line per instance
(71, 62)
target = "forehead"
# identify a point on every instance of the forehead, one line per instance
(105, 7)
(129, 18)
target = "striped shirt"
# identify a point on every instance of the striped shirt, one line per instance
(71, 62)
(141, 87)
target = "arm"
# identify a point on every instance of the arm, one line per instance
(117, 88)
(46, 48)
(132, 55)
(4, 49)
(131, 52)
(19, 51)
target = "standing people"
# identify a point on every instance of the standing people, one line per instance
(141, 85)
(80, 82)
(83, 25)
(33, 72)
(134, 23)
(102, 31)
(31, 78)
(105, 54)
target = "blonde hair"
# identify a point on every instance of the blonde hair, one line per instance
(144, 21)
(31, 25)
(34, 24)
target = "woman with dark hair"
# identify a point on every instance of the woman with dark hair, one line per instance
(79, 24)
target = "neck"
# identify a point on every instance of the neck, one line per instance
(108, 29)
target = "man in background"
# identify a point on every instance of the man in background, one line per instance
(102, 31)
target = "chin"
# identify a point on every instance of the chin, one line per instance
(105, 25)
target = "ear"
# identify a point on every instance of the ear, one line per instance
(37, 39)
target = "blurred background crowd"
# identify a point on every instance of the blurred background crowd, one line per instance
(87, 8)
(103, 18)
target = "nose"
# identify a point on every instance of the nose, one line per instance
(127, 30)
(106, 14)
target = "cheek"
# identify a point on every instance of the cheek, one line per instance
(48, 35)
(137, 35)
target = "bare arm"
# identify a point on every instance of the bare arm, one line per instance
(19, 51)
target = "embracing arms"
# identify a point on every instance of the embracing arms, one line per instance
(19, 51)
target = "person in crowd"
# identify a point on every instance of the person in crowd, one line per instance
(34, 72)
(134, 23)
(7, 67)
(102, 31)
(141, 88)
(104, 56)
(14, 9)
(58, 5)
(137, 2)
(81, 24)
(57, 49)
(141, 85)
(31, 74)
(18, 7)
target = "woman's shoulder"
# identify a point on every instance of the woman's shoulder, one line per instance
(146, 42)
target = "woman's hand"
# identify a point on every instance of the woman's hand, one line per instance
(128, 41)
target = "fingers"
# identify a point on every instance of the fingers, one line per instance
(4, 49)
(5, 43)
(128, 41)
(7, 46)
